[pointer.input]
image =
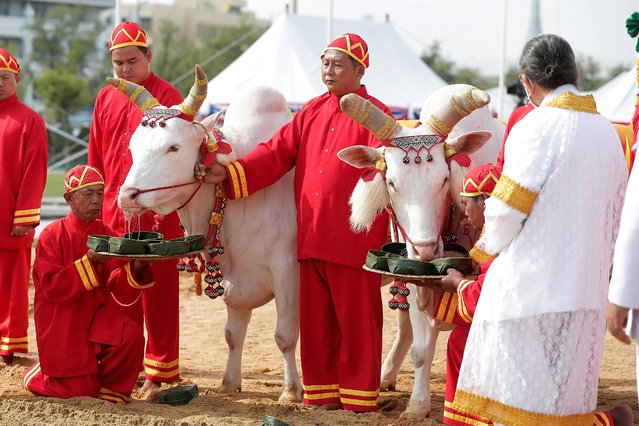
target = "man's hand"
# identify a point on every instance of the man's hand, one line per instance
(450, 282)
(21, 230)
(617, 319)
(215, 174)
(96, 257)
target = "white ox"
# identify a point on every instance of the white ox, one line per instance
(418, 193)
(258, 232)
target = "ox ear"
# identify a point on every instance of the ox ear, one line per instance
(360, 156)
(469, 142)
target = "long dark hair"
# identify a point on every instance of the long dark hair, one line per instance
(548, 60)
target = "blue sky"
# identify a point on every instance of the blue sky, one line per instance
(470, 30)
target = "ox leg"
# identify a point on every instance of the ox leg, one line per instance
(237, 321)
(422, 353)
(395, 358)
(287, 331)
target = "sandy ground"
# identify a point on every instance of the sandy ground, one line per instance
(203, 357)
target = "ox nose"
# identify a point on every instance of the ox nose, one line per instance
(426, 250)
(130, 193)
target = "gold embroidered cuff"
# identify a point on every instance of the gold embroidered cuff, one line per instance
(515, 195)
(480, 256)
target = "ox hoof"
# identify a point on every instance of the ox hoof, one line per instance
(390, 387)
(229, 389)
(288, 398)
(413, 415)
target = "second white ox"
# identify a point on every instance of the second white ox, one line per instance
(417, 174)
(258, 232)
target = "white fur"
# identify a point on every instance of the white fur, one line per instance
(258, 232)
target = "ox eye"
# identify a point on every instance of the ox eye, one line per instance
(445, 182)
(391, 185)
(173, 148)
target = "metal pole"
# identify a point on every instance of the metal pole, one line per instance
(329, 22)
(502, 61)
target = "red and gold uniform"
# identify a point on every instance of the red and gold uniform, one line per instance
(86, 346)
(115, 118)
(23, 173)
(459, 308)
(340, 304)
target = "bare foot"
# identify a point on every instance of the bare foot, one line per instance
(150, 385)
(7, 359)
(331, 406)
(622, 415)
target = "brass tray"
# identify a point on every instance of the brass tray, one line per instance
(408, 277)
(147, 256)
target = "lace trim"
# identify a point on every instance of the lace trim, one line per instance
(502, 413)
(574, 102)
(515, 195)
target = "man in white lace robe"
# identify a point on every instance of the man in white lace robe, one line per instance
(534, 350)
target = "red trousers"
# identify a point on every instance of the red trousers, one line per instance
(118, 369)
(340, 335)
(15, 267)
(159, 310)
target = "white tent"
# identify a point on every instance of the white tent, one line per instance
(616, 99)
(287, 57)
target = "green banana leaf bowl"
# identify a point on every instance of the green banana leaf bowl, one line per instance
(178, 395)
(142, 235)
(127, 246)
(98, 242)
(196, 242)
(377, 259)
(462, 264)
(169, 247)
(404, 266)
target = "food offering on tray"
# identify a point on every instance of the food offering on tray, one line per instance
(145, 245)
(392, 260)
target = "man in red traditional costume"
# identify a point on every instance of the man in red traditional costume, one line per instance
(23, 174)
(115, 118)
(459, 300)
(86, 345)
(340, 304)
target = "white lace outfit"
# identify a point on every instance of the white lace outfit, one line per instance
(534, 350)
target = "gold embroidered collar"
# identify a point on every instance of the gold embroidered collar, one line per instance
(574, 102)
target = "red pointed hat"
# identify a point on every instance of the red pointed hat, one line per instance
(480, 180)
(82, 176)
(351, 44)
(127, 34)
(8, 62)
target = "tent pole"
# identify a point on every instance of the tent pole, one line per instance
(502, 60)
(329, 22)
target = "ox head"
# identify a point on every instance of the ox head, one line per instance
(418, 171)
(164, 148)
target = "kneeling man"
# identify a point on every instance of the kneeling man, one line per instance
(86, 346)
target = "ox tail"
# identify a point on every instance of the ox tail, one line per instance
(367, 201)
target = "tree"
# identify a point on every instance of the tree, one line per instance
(441, 66)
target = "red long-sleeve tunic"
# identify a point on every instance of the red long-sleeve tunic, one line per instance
(323, 183)
(23, 170)
(69, 290)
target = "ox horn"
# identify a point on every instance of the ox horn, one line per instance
(370, 116)
(460, 106)
(136, 93)
(197, 94)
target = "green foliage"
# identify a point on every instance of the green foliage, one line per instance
(435, 60)
(172, 57)
(69, 93)
(54, 186)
